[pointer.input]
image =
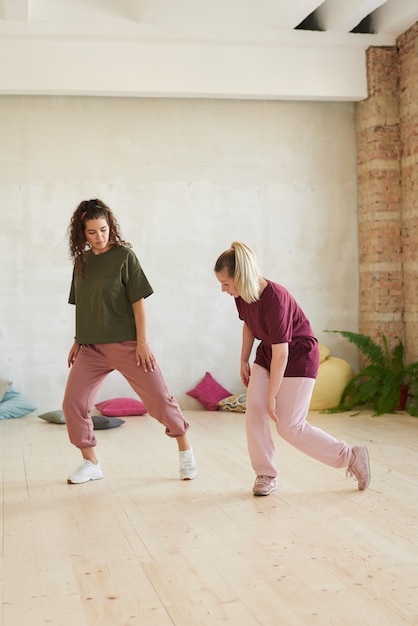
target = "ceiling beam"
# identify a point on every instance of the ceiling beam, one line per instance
(183, 69)
(293, 13)
(342, 17)
(395, 16)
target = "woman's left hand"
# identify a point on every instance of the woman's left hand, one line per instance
(271, 409)
(280, 354)
(145, 357)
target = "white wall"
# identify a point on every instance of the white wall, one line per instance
(184, 178)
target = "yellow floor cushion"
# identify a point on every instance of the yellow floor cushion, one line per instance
(324, 352)
(333, 376)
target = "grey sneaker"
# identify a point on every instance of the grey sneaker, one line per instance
(264, 485)
(87, 471)
(188, 469)
(359, 468)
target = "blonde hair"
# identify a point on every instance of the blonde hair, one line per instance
(241, 265)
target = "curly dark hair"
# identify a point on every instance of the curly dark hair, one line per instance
(90, 210)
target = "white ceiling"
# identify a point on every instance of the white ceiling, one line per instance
(205, 17)
(195, 48)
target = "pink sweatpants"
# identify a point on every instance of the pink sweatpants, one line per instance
(93, 363)
(292, 406)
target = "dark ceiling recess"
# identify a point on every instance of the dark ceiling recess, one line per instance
(311, 22)
(365, 26)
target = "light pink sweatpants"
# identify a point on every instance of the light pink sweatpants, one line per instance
(93, 363)
(292, 406)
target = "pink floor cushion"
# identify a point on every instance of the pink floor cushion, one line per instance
(209, 392)
(119, 407)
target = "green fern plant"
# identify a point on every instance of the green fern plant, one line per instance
(378, 383)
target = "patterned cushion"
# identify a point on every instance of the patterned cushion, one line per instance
(237, 403)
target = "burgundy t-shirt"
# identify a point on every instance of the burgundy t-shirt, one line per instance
(277, 318)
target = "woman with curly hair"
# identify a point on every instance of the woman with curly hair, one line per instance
(282, 378)
(108, 290)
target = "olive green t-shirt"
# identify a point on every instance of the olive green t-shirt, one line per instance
(103, 298)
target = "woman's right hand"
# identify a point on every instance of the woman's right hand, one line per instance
(72, 355)
(245, 372)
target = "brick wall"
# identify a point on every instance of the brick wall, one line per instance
(408, 105)
(387, 171)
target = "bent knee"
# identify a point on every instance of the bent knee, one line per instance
(290, 432)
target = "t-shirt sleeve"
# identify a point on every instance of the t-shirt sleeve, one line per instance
(134, 279)
(278, 318)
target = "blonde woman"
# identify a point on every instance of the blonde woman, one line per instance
(282, 378)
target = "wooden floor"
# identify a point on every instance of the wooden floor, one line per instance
(141, 547)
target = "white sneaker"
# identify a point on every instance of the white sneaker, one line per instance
(188, 469)
(87, 471)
